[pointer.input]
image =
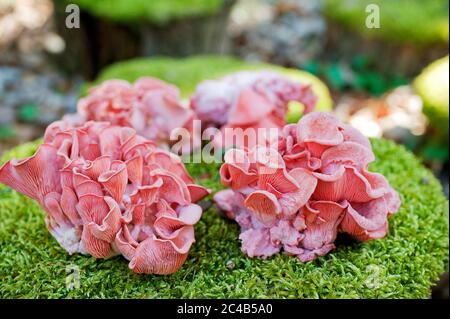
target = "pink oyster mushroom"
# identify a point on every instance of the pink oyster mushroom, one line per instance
(150, 106)
(108, 191)
(298, 193)
(248, 100)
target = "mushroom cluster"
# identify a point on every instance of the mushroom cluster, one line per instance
(150, 106)
(108, 188)
(299, 192)
(108, 191)
(243, 102)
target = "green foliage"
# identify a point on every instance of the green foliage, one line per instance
(403, 21)
(402, 265)
(155, 11)
(360, 74)
(7, 132)
(433, 87)
(28, 112)
(187, 73)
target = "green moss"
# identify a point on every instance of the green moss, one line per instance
(403, 21)
(187, 73)
(402, 265)
(155, 11)
(433, 87)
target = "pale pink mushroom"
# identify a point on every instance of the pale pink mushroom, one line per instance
(150, 106)
(245, 101)
(108, 191)
(298, 193)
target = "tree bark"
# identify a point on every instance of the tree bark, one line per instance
(99, 42)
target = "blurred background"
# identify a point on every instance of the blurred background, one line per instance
(389, 81)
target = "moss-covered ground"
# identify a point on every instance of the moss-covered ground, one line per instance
(402, 265)
(401, 21)
(159, 12)
(433, 87)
